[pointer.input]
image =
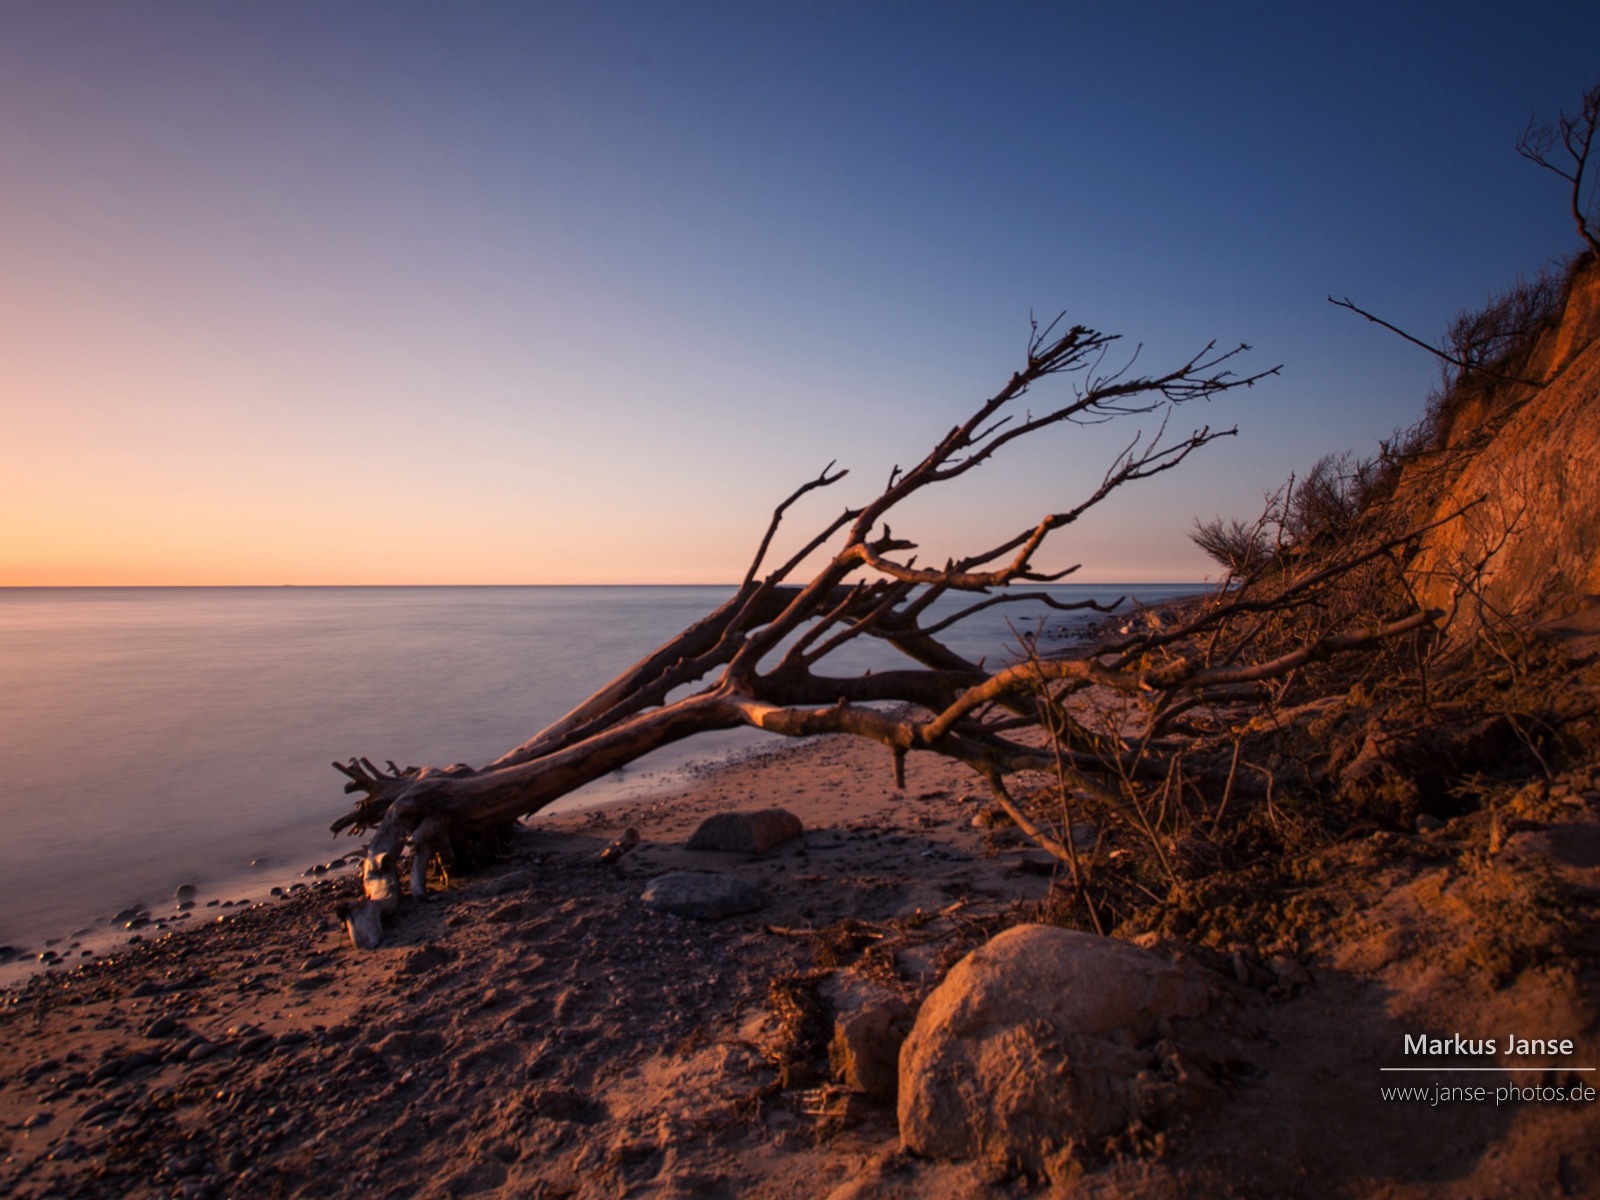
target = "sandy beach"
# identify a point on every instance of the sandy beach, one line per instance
(535, 1030)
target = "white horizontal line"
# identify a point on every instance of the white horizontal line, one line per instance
(1535, 1067)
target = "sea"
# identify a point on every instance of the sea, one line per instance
(158, 737)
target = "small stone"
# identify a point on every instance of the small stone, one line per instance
(200, 1052)
(185, 891)
(161, 1026)
(746, 832)
(39, 1119)
(104, 1108)
(865, 1052)
(621, 846)
(1428, 823)
(147, 988)
(137, 1061)
(701, 895)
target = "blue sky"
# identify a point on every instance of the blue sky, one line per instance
(469, 293)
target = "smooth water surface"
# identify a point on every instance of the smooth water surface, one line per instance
(157, 736)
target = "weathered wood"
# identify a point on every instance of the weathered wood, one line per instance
(756, 655)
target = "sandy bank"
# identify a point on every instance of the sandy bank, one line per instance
(536, 1031)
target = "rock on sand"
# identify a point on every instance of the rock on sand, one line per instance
(701, 895)
(1039, 1040)
(747, 832)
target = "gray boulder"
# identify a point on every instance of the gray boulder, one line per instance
(1043, 1041)
(748, 832)
(701, 895)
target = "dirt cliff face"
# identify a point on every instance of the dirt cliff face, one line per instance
(1533, 456)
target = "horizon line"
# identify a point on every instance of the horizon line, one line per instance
(83, 587)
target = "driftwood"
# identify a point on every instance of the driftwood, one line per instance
(757, 657)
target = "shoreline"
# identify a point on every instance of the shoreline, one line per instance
(536, 1030)
(238, 889)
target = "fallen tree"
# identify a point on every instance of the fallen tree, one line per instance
(757, 658)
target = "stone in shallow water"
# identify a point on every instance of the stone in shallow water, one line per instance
(701, 895)
(747, 832)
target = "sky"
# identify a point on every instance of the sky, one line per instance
(334, 293)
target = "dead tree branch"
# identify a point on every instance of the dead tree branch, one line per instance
(756, 658)
(1572, 135)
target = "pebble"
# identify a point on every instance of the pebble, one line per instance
(138, 1060)
(104, 1108)
(161, 1026)
(186, 891)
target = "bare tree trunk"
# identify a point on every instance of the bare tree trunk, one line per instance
(756, 656)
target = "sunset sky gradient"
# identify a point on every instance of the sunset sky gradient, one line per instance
(571, 293)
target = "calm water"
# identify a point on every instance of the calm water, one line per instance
(158, 736)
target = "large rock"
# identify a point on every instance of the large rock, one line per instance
(748, 832)
(1043, 1040)
(701, 895)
